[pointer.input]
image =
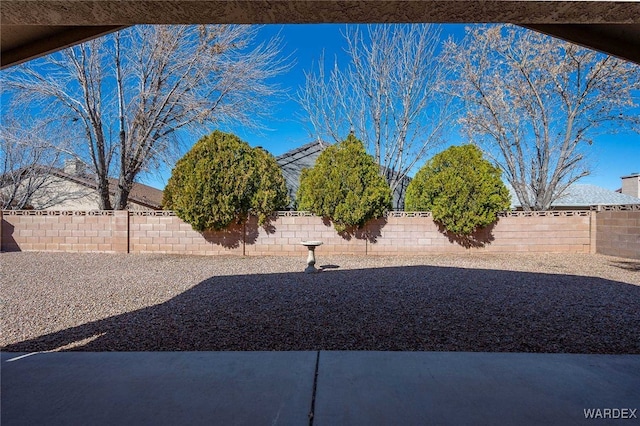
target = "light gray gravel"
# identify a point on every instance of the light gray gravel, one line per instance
(489, 302)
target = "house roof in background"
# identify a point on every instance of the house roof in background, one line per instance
(292, 162)
(140, 193)
(305, 153)
(143, 194)
(587, 194)
(584, 195)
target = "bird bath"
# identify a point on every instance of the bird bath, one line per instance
(311, 259)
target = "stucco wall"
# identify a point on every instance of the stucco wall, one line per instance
(58, 194)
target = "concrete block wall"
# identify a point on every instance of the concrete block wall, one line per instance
(552, 232)
(399, 233)
(163, 232)
(415, 233)
(73, 231)
(284, 234)
(618, 231)
(556, 232)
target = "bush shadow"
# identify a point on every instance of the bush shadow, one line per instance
(370, 231)
(231, 237)
(8, 243)
(411, 308)
(237, 234)
(480, 238)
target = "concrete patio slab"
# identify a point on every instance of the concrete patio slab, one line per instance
(351, 388)
(457, 388)
(157, 388)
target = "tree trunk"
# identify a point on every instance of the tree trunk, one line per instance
(122, 193)
(104, 202)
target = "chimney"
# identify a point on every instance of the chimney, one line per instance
(631, 185)
(74, 167)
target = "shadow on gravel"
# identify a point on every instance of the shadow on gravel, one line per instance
(413, 308)
(629, 265)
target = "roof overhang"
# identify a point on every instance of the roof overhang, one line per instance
(31, 28)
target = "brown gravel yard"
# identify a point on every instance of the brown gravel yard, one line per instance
(496, 303)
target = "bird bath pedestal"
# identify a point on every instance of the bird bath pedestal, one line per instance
(311, 259)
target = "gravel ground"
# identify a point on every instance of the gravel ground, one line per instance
(496, 303)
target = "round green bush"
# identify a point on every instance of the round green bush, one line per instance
(462, 190)
(345, 186)
(222, 180)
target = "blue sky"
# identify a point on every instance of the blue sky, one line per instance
(611, 156)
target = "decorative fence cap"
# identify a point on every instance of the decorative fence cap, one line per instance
(621, 207)
(548, 213)
(161, 213)
(290, 213)
(58, 212)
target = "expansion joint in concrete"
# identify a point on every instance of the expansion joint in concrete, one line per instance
(315, 386)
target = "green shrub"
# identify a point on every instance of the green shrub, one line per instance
(462, 190)
(345, 186)
(221, 180)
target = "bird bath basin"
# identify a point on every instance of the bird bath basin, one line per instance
(311, 259)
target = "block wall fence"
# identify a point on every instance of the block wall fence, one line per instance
(618, 232)
(607, 230)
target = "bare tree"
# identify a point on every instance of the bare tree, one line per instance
(534, 103)
(129, 95)
(27, 159)
(388, 95)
